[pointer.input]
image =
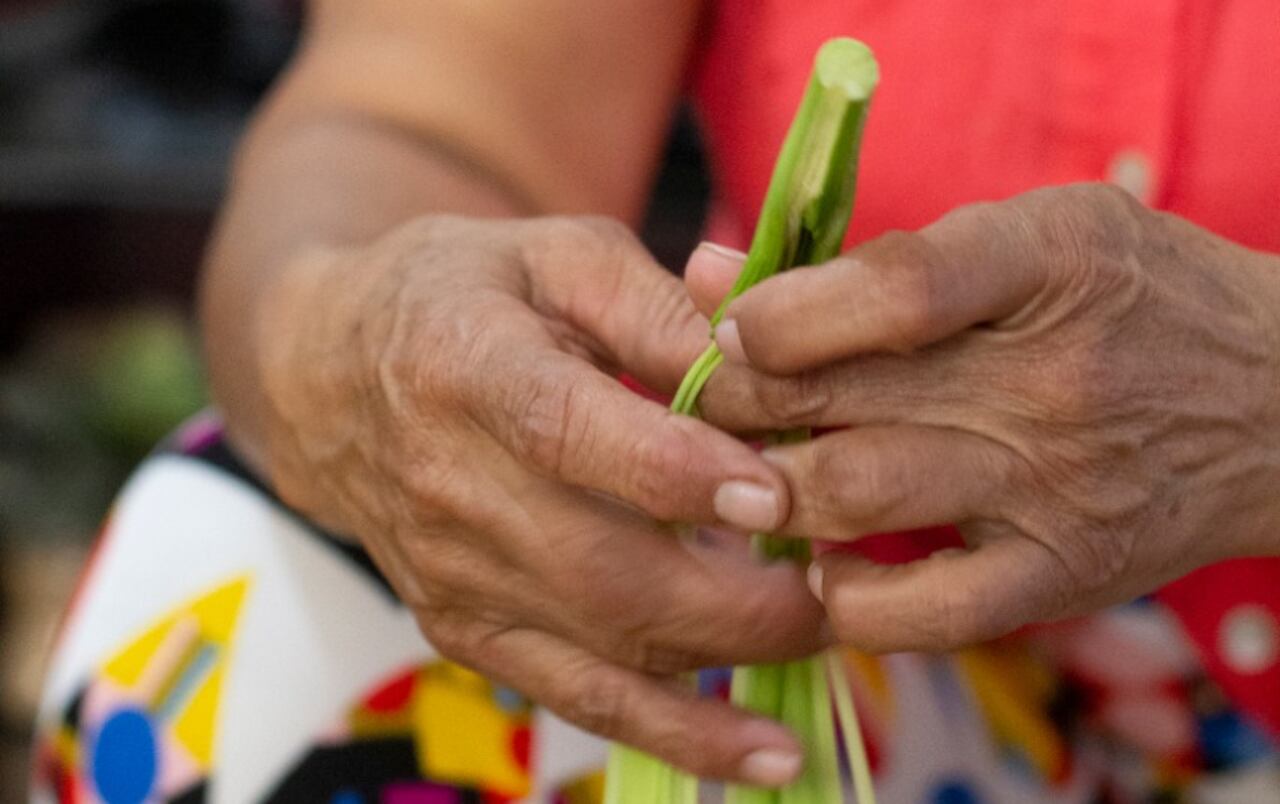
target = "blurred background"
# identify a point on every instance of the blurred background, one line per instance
(117, 120)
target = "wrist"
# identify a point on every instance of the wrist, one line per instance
(1265, 270)
(305, 326)
(1270, 271)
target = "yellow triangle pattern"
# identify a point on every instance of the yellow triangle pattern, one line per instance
(216, 614)
(194, 726)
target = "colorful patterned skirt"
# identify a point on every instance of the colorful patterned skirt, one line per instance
(222, 649)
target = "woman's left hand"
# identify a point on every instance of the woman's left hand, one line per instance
(1090, 389)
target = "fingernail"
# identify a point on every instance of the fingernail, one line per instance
(771, 767)
(746, 505)
(815, 580)
(730, 342)
(778, 456)
(721, 251)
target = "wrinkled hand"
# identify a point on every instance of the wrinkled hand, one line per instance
(443, 395)
(1089, 388)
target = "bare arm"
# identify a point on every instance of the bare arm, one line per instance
(395, 110)
(437, 386)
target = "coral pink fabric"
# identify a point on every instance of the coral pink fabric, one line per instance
(1177, 99)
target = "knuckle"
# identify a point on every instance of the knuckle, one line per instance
(1062, 385)
(449, 633)
(436, 490)
(600, 704)
(771, 356)
(427, 361)
(605, 228)
(947, 619)
(857, 493)
(442, 565)
(1102, 557)
(793, 401)
(659, 465)
(651, 656)
(908, 283)
(1108, 201)
(603, 237)
(552, 423)
(670, 310)
(1087, 220)
(847, 622)
(294, 487)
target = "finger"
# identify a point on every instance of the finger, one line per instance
(610, 580)
(704, 736)
(635, 593)
(710, 273)
(940, 386)
(897, 293)
(949, 600)
(565, 419)
(874, 479)
(611, 288)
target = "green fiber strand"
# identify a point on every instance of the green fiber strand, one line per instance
(797, 715)
(686, 398)
(807, 711)
(823, 746)
(633, 777)
(851, 731)
(759, 689)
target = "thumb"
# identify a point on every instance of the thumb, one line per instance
(710, 273)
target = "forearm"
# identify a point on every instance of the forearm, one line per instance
(306, 183)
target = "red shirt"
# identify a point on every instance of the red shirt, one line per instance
(1176, 100)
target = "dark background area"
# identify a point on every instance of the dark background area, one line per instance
(117, 120)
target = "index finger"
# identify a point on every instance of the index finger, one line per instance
(896, 293)
(564, 418)
(704, 736)
(636, 593)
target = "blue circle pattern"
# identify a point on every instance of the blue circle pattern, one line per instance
(954, 792)
(125, 758)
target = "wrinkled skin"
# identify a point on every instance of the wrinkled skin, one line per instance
(1091, 389)
(452, 408)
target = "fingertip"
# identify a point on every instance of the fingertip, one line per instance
(814, 577)
(840, 581)
(729, 339)
(710, 273)
(771, 767)
(747, 505)
(779, 336)
(736, 745)
(727, 484)
(775, 756)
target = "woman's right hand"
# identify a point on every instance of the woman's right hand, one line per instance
(444, 395)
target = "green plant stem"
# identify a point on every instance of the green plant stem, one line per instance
(809, 202)
(802, 222)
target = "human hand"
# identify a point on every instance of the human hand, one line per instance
(1089, 388)
(442, 394)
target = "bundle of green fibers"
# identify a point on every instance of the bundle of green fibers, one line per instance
(803, 222)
